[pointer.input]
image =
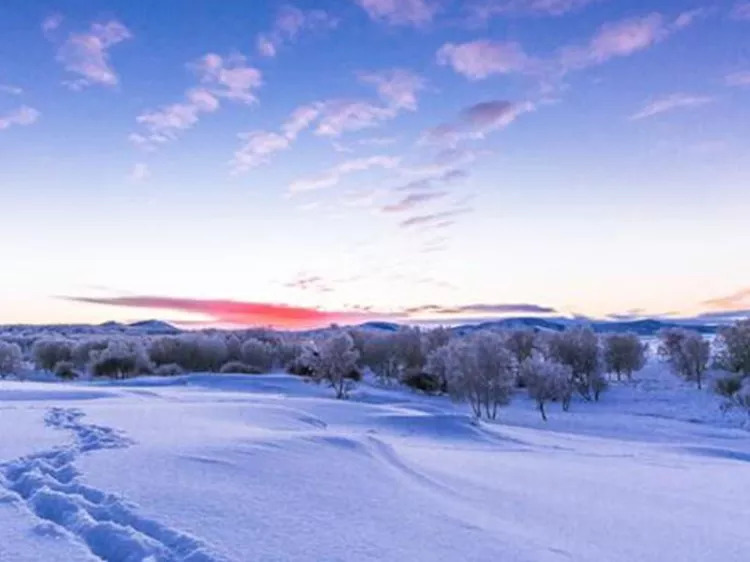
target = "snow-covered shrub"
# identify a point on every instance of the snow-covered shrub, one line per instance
(11, 359)
(521, 344)
(422, 381)
(66, 370)
(390, 355)
(169, 370)
(687, 353)
(48, 352)
(578, 348)
(192, 352)
(82, 350)
(546, 381)
(334, 360)
(480, 371)
(438, 365)
(121, 358)
(733, 343)
(624, 354)
(258, 354)
(238, 367)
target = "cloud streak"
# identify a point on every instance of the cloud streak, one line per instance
(670, 103)
(334, 175)
(22, 116)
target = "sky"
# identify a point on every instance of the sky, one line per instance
(297, 164)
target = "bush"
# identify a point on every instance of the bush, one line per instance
(424, 382)
(11, 359)
(624, 354)
(66, 370)
(120, 359)
(521, 344)
(258, 354)
(546, 381)
(82, 351)
(192, 352)
(238, 367)
(169, 370)
(47, 352)
(686, 352)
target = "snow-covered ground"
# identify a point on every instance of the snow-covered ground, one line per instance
(262, 468)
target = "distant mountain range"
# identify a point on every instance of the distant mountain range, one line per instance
(643, 327)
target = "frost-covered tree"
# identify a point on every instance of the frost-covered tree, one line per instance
(480, 371)
(624, 354)
(546, 381)
(120, 359)
(438, 364)
(192, 352)
(258, 354)
(48, 352)
(579, 349)
(380, 353)
(434, 339)
(333, 360)
(11, 359)
(82, 350)
(733, 344)
(521, 344)
(66, 370)
(687, 353)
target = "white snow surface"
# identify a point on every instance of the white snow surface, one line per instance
(205, 468)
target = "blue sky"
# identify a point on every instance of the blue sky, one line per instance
(305, 162)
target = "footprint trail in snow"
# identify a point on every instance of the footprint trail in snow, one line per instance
(48, 484)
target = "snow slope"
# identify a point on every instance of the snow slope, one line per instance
(248, 468)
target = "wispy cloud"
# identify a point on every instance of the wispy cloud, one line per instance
(738, 79)
(481, 308)
(21, 116)
(220, 78)
(413, 200)
(438, 220)
(670, 103)
(483, 10)
(624, 38)
(10, 89)
(51, 23)
(482, 58)
(741, 11)
(313, 283)
(478, 120)
(257, 148)
(289, 23)
(86, 55)
(140, 172)
(402, 12)
(334, 175)
(733, 301)
(397, 87)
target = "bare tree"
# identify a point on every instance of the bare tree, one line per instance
(546, 381)
(624, 354)
(333, 360)
(686, 352)
(481, 371)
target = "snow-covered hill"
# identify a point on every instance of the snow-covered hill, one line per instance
(271, 468)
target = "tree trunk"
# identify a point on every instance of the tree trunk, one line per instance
(541, 409)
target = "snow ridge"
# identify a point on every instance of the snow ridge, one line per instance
(48, 484)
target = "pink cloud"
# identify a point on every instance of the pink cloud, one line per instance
(401, 12)
(289, 23)
(740, 78)
(334, 175)
(397, 87)
(236, 312)
(229, 77)
(483, 10)
(257, 148)
(21, 116)
(87, 54)
(483, 58)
